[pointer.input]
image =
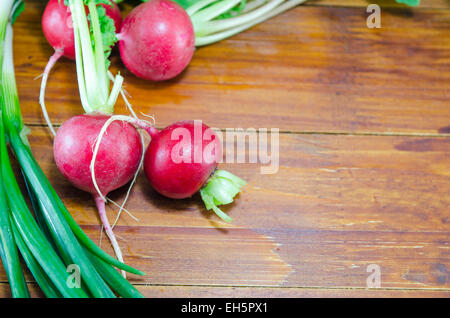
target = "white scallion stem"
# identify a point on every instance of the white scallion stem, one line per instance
(206, 40)
(198, 6)
(79, 61)
(117, 87)
(80, 26)
(102, 78)
(213, 11)
(251, 5)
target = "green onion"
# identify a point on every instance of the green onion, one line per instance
(44, 282)
(8, 249)
(54, 241)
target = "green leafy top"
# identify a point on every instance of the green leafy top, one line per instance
(183, 3)
(412, 3)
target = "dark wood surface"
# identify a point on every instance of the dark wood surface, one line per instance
(364, 173)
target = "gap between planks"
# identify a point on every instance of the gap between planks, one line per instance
(278, 287)
(337, 133)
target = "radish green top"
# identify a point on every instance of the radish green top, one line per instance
(92, 48)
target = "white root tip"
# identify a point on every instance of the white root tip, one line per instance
(109, 232)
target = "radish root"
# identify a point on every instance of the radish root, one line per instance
(109, 232)
(100, 199)
(51, 62)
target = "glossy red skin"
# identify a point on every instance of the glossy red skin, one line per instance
(117, 160)
(57, 25)
(177, 180)
(157, 40)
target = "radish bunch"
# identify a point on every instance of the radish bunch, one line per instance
(96, 164)
(182, 160)
(99, 152)
(158, 37)
(58, 30)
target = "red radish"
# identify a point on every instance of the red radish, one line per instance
(94, 151)
(158, 37)
(58, 30)
(156, 41)
(179, 167)
(117, 160)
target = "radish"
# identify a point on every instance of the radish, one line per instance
(179, 167)
(98, 152)
(157, 39)
(118, 158)
(58, 30)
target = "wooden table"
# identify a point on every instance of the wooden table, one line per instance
(364, 176)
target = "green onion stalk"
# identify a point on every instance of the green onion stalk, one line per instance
(51, 241)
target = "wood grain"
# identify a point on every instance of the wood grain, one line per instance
(364, 171)
(350, 201)
(164, 291)
(314, 69)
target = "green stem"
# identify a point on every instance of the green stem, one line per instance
(35, 240)
(60, 229)
(198, 6)
(101, 71)
(91, 63)
(30, 232)
(8, 249)
(87, 62)
(221, 189)
(213, 11)
(117, 87)
(220, 25)
(87, 242)
(212, 38)
(46, 285)
(114, 278)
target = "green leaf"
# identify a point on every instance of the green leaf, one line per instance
(18, 8)
(234, 11)
(221, 189)
(412, 3)
(8, 248)
(183, 3)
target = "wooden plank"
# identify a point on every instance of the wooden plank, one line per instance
(337, 205)
(237, 292)
(164, 291)
(314, 69)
